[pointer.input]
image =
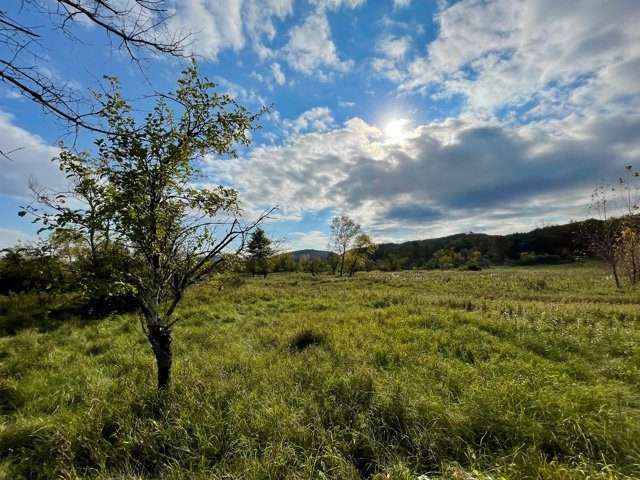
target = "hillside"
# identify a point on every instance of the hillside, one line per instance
(310, 253)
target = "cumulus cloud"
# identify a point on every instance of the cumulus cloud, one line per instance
(310, 49)
(454, 175)
(562, 56)
(29, 158)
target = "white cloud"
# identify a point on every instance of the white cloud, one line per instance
(317, 119)
(311, 50)
(336, 4)
(225, 24)
(393, 51)
(394, 47)
(240, 93)
(277, 73)
(217, 25)
(30, 157)
(563, 55)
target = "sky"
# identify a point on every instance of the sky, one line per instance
(417, 118)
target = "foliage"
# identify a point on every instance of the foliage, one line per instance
(102, 280)
(284, 262)
(358, 257)
(313, 265)
(510, 373)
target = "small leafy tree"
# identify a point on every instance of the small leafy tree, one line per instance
(343, 232)
(447, 258)
(175, 231)
(629, 238)
(363, 248)
(259, 250)
(628, 250)
(316, 265)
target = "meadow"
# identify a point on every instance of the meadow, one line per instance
(507, 373)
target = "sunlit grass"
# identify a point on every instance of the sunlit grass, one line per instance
(505, 373)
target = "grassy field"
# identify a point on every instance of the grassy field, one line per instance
(505, 373)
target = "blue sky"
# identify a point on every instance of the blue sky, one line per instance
(417, 118)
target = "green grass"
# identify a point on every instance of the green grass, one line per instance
(505, 373)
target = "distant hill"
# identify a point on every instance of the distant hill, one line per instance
(310, 253)
(552, 244)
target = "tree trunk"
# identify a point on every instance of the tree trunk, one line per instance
(160, 339)
(614, 269)
(633, 260)
(342, 263)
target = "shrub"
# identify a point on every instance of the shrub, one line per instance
(29, 270)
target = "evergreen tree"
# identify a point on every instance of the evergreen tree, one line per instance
(260, 250)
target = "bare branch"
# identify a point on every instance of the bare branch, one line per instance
(138, 25)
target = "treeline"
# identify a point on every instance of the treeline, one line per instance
(471, 251)
(547, 245)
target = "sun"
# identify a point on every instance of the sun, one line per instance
(396, 129)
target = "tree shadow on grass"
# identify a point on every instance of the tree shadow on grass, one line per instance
(47, 312)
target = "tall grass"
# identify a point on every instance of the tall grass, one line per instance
(506, 373)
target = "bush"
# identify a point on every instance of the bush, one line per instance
(472, 267)
(29, 270)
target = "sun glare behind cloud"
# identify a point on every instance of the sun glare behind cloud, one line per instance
(396, 129)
